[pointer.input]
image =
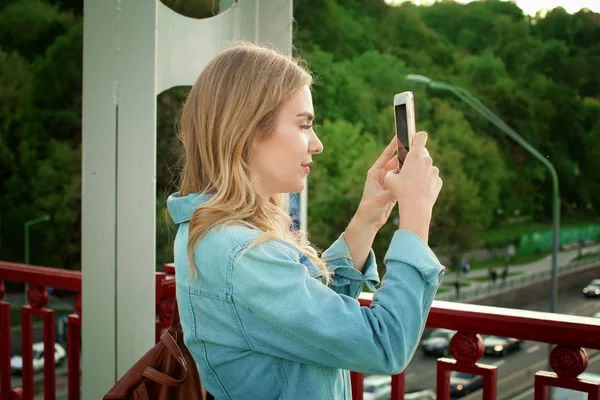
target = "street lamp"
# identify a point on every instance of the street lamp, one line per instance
(471, 100)
(27, 225)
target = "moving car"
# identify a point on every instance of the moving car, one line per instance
(462, 383)
(501, 346)
(592, 289)
(60, 355)
(438, 343)
(420, 395)
(377, 387)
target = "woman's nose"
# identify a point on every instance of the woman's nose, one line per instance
(315, 146)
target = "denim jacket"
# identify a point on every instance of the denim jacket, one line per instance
(261, 324)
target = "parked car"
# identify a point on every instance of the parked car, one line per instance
(592, 289)
(438, 343)
(377, 387)
(420, 395)
(462, 383)
(501, 346)
(60, 355)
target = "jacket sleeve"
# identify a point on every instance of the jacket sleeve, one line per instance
(346, 279)
(284, 312)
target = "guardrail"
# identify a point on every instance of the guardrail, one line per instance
(39, 279)
(571, 335)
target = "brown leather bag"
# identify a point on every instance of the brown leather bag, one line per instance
(166, 372)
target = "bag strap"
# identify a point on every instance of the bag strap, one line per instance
(141, 393)
(161, 378)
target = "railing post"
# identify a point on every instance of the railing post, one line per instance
(358, 385)
(398, 386)
(568, 362)
(5, 378)
(27, 352)
(73, 354)
(49, 359)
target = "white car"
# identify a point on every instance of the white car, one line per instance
(16, 362)
(377, 387)
(420, 395)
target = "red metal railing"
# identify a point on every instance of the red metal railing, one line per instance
(571, 335)
(40, 278)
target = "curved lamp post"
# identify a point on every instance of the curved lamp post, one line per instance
(471, 100)
(28, 224)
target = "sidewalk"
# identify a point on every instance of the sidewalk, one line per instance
(526, 273)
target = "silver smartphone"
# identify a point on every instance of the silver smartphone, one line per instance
(404, 112)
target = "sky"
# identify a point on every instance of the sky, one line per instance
(532, 6)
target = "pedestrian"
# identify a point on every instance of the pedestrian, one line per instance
(504, 274)
(263, 314)
(457, 287)
(466, 267)
(511, 252)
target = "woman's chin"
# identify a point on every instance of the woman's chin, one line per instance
(299, 187)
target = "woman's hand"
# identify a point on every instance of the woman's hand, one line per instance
(377, 202)
(416, 188)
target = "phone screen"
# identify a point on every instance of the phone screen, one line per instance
(401, 131)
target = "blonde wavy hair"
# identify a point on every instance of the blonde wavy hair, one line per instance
(236, 100)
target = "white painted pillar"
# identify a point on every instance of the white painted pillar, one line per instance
(98, 205)
(136, 181)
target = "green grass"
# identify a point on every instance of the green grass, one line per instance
(503, 234)
(499, 262)
(485, 278)
(587, 256)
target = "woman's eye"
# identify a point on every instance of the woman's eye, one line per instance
(305, 126)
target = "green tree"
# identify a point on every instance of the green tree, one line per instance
(30, 26)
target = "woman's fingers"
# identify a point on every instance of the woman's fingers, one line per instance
(420, 140)
(391, 164)
(386, 155)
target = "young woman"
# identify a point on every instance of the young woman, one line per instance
(264, 315)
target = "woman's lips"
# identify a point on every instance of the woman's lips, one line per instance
(307, 167)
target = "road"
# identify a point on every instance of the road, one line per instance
(39, 376)
(421, 372)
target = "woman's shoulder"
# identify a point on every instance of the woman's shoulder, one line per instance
(239, 234)
(245, 238)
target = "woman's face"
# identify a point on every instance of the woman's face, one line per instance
(280, 160)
